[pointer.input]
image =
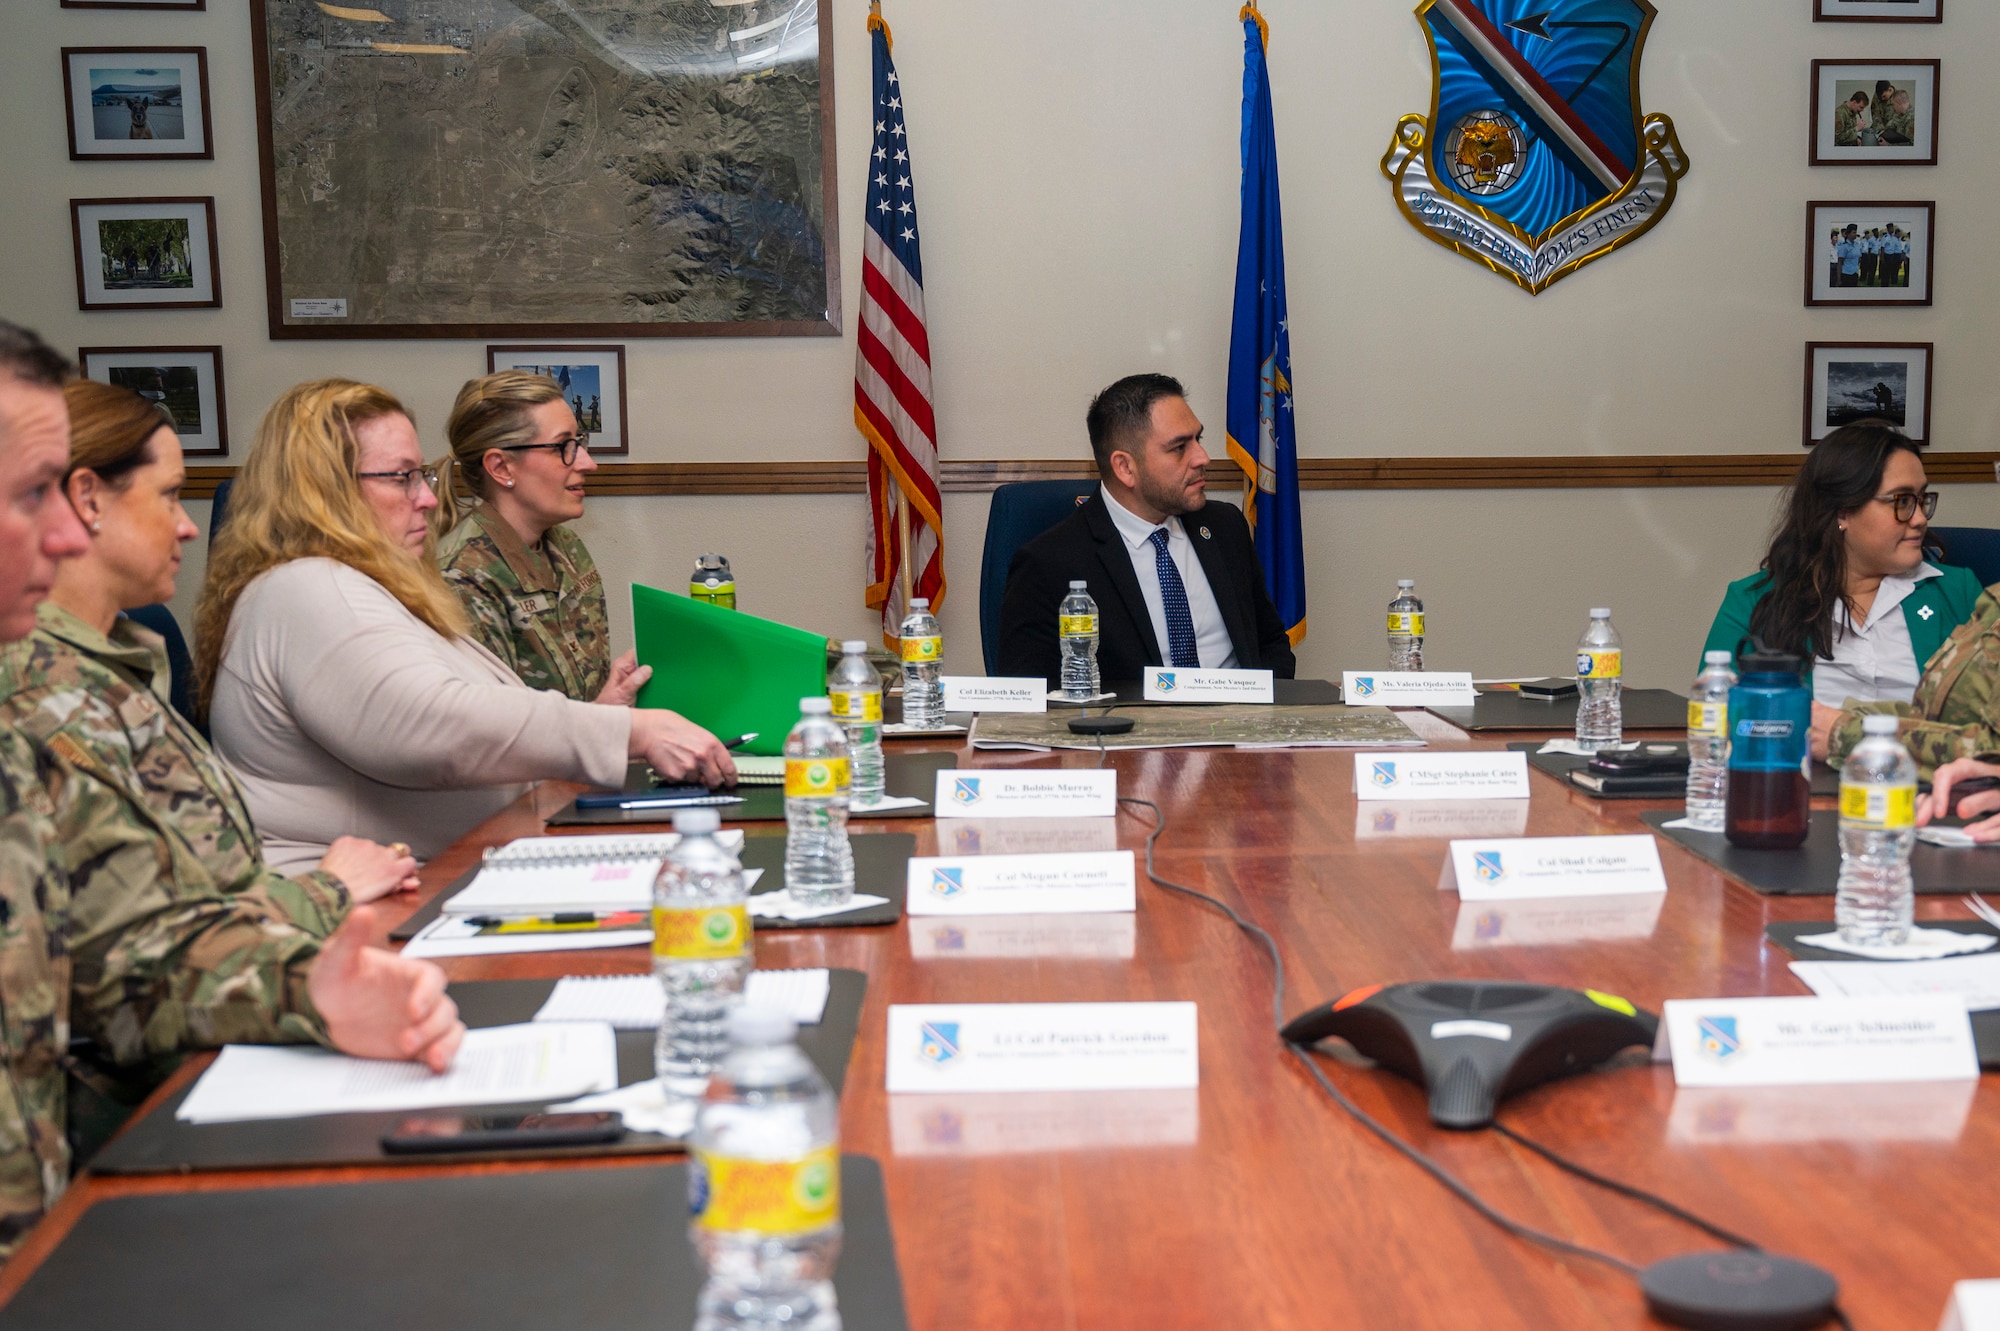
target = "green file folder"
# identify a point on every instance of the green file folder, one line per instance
(726, 671)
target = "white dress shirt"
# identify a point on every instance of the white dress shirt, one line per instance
(1212, 643)
(1874, 661)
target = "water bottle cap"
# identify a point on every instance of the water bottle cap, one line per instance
(711, 561)
(695, 822)
(1079, 585)
(1599, 613)
(761, 1025)
(1406, 582)
(1878, 725)
(854, 646)
(920, 603)
(1717, 658)
(815, 707)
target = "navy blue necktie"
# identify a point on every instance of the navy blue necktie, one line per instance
(1173, 597)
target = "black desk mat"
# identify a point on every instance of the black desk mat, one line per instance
(1504, 709)
(603, 1249)
(1825, 781)
(904, 774)
(1784, 936)
(881, 869)
(1811, 870)
(159, 1143)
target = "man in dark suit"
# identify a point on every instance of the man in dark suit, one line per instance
(1175, 577)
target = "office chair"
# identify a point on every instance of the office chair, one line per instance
(181, 689)
(1020, 512)
(1976, 548)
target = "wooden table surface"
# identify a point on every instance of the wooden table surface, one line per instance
(1255, 1202)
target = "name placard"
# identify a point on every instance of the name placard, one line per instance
(1557, 866)
(1178, 684)
(1974, 1306)
(1441, 776)
(1042, 1047)
(1392, 688)
(1005, 793)
(1817, 1041)
(1022, 884)
(994, 693)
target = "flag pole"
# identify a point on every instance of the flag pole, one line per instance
(903, 543)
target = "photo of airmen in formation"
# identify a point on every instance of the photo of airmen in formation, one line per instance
(1876, 257)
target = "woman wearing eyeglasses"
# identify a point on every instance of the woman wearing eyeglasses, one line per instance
(338, 670)
(515, 475)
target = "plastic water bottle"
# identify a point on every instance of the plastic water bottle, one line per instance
(1076, 630)
(713, 582)
(1406, 628)
(701, 950)
(764, 1184)
(1600, 670)
(856, 690)
(1875, 900)
(923, 667)
(819, 864)
(1708, 743)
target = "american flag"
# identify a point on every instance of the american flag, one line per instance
(892, 367)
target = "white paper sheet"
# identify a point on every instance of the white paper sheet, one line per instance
(780, 906)
(498, 1065)
(637, 1002)
(1975, 979)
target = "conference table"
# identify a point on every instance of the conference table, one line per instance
(1254, 1201)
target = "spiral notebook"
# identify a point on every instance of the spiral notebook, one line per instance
(547, 875)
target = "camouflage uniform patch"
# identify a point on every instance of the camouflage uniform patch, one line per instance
(540, 610)
(1956, 711)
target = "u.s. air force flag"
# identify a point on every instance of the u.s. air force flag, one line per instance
(1535, 158)
(1259, 420)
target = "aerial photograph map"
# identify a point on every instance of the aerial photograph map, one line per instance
(1194, 726)
(545, 162)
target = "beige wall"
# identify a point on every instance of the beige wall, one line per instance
(1076, 171)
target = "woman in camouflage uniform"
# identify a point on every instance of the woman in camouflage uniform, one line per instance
(1956, 713)
(534, 595)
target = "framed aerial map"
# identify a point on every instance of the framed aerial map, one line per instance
(519, 168)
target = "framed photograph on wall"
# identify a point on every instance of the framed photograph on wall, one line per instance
(1874, 112)
(137, 103)
(155, 254)
(187, 381)
(1869, 253)
(1858, 381)
(189, 5)
(1878, 11)
(592, 377)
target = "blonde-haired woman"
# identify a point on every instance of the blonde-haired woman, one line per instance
(533, 593)
(334, 663)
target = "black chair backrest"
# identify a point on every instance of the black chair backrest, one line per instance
(161, 621)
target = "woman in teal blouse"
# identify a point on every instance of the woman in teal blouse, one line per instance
(1845, 583)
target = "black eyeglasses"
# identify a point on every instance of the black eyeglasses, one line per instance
(566, 447)
(407, 479)
(1905, 504)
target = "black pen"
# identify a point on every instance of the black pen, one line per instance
(739, 741)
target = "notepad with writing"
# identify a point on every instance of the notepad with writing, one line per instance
(545, 875)
(637, 1002)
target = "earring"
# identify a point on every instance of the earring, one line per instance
(1843, 526)
(510, 485)
(96, 527)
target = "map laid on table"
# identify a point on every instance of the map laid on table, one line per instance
(434, 164)
(1245, 726)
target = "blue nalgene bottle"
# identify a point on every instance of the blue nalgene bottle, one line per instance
(1770, 723)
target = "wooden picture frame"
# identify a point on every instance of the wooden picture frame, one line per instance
(737, 235)
(98, 289)
(1878, 11)
(1837, 388)
(1833, 80)
(604, 362)
(188, 6)
(193, 141)
(187, 381)
(1908, 227)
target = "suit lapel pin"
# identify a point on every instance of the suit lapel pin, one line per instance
(1204, 533)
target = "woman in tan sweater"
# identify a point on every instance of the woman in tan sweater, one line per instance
(334, 663)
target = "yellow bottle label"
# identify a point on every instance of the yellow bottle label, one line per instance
(816, 776)
(1600, 665)
(773, 1197)
(1405, 621)
(1077, 626)
(722, 594)
(1890, 808)
(701, 933)
(923, 649)
(1708, 720)
(857, 706)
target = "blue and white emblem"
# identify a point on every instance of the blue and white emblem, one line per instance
(1535, 158)
(1364, 685)
(1384, 774)
(1719, 1039)
(948, 882)
(1166, 681)
(1486, 866)
(965, 789)
(939, 1042)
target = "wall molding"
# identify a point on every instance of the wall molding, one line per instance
(1472, 473)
